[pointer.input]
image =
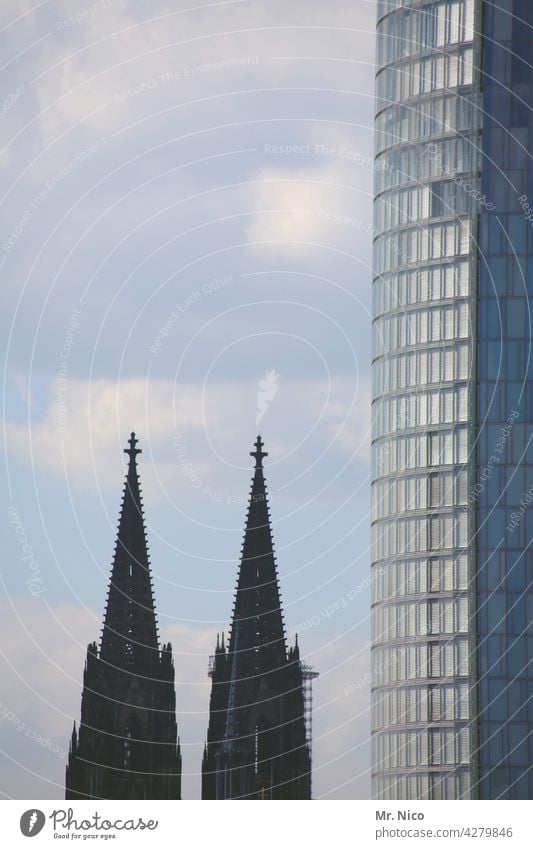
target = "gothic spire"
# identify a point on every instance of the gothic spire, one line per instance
(257, 617)
(129, 636)
(127, 745)
(257, 746)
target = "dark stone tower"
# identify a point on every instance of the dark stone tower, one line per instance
(257, 746)
(127, 746)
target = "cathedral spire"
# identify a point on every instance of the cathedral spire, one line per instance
(129, 636)
(127, 745)
(257, 746)
(257, 635)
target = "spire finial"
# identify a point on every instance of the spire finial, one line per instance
(132, 451)
(259, 453)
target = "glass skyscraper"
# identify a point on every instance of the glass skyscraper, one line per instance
(452, 525)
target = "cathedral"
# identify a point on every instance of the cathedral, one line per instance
(127, 745)
(257, 745)
(258, 738)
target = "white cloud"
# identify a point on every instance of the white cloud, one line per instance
(302, 48)
(286, 203)
(187, 432)
(321, 203)
(80, 67)
(86, 423)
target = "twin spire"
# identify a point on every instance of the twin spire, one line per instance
(127, 746)
(130, 635)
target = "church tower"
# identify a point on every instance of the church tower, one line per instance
(127, 745)
(257, 744)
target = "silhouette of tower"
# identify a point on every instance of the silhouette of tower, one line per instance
(127, 746)
(257, 745)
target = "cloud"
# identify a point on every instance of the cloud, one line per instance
(79, 61)
(325, 202)
(85, 425)
(312, 85)
(286, 203)
(196, 439)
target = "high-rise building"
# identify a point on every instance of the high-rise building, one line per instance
(257, 741)
(127, 745)
(452, 562)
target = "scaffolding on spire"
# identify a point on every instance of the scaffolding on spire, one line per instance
(308, 676)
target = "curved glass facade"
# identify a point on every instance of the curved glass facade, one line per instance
(427, 188)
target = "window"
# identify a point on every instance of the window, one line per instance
(434, 449)
(434, 489)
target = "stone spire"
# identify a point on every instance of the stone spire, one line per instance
(257, 746)
(127, 745)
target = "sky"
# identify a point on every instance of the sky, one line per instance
(185, 251)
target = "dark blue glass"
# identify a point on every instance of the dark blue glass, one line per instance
(505, 589)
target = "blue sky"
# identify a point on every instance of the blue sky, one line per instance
(185, 219)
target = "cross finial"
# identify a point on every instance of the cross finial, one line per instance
(259, 453)
(132, 451)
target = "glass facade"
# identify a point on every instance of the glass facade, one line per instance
(427, 183)
(452, 508)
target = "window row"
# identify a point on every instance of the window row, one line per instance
(424, 575)
(439, 199)
(421, 326)
(421, 244)
(418, 162)
(421, 285)
(421, 368)
(424, 76)
(402, 207)
(420, 785)
(419, 492)
(424, 533)
(434, 617)
(434, 747)
(391, 415)
(435, 116)
(416, 451)
(408, 32)
(385, 6)
(392, 664)
(441, 703)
